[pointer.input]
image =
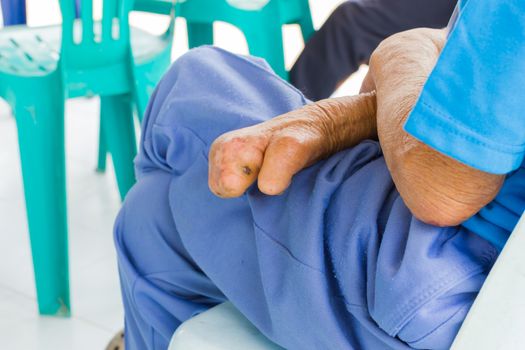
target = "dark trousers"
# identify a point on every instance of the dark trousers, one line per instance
(352, 32)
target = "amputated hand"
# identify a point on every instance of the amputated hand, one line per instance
(274, 151)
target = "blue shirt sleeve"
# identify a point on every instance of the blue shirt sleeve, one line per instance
(472, 107)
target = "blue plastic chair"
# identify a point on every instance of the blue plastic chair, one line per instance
(13, 12)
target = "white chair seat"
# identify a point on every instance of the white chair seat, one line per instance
(220, 328)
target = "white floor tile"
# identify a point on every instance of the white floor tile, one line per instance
(16, 271)
(97, 294)
(49, 333)
(22, 329)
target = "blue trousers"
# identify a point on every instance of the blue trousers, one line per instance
(336, 262)
(352, 32)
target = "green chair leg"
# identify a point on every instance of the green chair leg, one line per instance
(142, 95)
(119, 133)
(145, 78)
(266, 41)
(102, 150)
(199, 34)
(41, 138)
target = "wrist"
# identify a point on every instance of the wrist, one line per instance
(346, 121)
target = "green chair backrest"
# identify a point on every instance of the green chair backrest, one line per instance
(87, 44)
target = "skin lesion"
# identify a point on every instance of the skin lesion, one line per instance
(274, 151)
(247, 170)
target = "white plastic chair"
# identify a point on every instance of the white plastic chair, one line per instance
(220, 328)
(496, 321)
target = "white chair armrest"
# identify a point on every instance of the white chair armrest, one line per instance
(496, 321)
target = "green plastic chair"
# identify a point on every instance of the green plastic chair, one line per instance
(261, 22)
(39, 69)
(163, 7)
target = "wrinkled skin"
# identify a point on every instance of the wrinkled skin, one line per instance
(436, 188)
(273, 151)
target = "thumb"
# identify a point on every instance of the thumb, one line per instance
(284, 157)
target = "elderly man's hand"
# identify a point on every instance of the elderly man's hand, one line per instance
(273, 151)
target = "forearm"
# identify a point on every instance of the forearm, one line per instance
(340, 122)
(437, 189)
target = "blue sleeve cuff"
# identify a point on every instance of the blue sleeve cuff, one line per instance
(449, 138)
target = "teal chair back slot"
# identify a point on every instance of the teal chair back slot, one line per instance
(93, 49)
(86, 43)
